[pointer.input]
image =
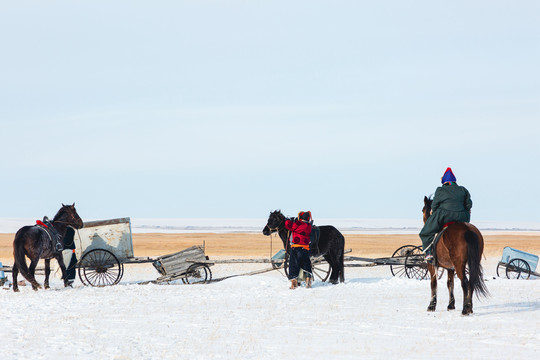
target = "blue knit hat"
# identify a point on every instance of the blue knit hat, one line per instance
(448, 176)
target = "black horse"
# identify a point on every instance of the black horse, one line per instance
(35, 242)
(331, 243)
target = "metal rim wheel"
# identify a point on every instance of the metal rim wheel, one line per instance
(518, 269)
(502, 268)
(413, 268)
(321, 270)
(100, 267)
(399, 270)
(197, 274)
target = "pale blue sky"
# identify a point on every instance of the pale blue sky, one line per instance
(235, 108)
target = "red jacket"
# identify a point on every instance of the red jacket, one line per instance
(301, 231)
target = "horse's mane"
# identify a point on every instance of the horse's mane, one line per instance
(276, 212)
(63, 209)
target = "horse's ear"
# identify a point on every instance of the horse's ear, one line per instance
(426, 200)
(63, 204)
(73, 205)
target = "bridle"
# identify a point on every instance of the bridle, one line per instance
(277, 228)
(72, 219)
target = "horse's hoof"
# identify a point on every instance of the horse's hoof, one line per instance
(451, 307)
(36, 287)
(46, 287)
(431, 308)
(16, 290)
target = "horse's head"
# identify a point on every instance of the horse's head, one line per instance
(274, 223)
(426, 210)
(67, 215)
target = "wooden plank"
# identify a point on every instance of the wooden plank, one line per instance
(106, 222)
(192, 250)
(138, 260)
(232, 261)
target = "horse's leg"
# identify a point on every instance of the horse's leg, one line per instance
(334, 275)
(15, 273)
(60, 260)
(31, 273)
(467, 304)
(450, 285)
(47, 272)
(433, 301)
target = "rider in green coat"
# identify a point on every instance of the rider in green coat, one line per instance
(450, 203)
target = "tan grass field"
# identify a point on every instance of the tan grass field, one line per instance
(258, 245)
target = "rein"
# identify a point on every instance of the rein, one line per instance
(276, 230)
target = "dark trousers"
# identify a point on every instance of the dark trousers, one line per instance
(71, 267)
(299, 259)
(436, 221)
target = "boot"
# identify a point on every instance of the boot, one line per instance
(294, 284)
(308, 283)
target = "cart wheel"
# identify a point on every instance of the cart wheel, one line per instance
(501, 269)
(99, 267)
(518, 269)
(321, 269)
(399, 270)
(415, 266)
(197, 274)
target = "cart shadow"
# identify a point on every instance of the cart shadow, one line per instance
(365, 280)
(518, 307)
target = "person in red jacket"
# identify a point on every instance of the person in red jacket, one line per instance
(299, 253)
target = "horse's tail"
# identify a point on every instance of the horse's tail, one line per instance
(476, 273)
(341, 261)
(19, 257)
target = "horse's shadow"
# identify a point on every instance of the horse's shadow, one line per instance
(364, 280)
(508, 308)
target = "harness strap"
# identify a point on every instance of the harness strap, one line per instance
(300, 245)
(45, 228)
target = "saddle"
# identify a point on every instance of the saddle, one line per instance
(54, 235)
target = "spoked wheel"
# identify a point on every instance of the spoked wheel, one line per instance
(99, 267)
(415, 265)
(518, 269)
(399, 270)
(197, 274)
(321, 269)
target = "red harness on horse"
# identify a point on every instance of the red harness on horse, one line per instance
(41, 223)
(448, 224)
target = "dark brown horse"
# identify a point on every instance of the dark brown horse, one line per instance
(458, 251)
(331, 243)
(36, 243)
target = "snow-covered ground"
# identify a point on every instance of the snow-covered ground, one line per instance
(372, 315)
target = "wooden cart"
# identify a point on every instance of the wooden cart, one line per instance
(517, 264)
